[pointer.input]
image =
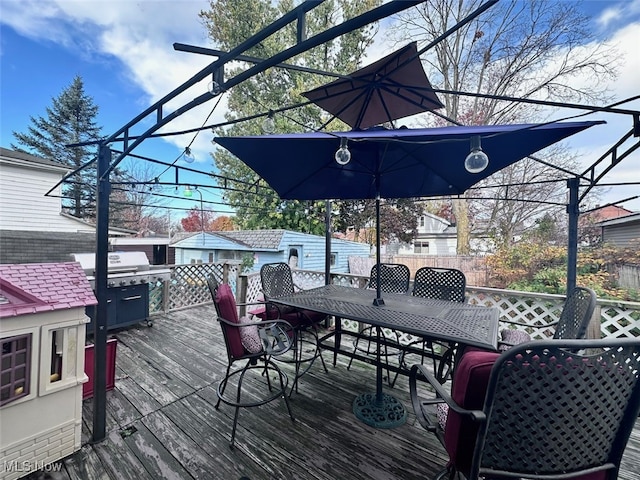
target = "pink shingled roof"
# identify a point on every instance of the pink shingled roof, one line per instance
(55, 286)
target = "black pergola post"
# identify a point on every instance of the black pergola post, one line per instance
(573, 209)
(103, 189)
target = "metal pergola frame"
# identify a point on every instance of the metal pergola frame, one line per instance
(105, 162)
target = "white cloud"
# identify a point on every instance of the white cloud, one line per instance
(140, 35)
(609, 15)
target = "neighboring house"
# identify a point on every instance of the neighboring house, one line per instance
(33, 227)
(622, 231)
(436, 236)
(300, 250)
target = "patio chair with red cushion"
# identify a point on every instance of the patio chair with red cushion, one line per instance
(548, 409)
(255, 342)
(277, 281)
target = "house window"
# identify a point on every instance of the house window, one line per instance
(56, 355)
(334, 259)
(211, 260)
(15, 368)
(421, 247)
(422, 221)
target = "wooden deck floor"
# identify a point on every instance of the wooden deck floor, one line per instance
(162, 423)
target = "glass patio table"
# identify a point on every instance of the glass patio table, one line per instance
(458, 323)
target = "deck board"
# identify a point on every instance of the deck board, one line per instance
(162, 421)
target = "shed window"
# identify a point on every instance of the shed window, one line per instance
(334, 259)
(16, 365)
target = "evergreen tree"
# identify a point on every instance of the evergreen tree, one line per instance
(70, 119)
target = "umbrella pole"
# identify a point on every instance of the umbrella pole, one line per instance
(378, 300)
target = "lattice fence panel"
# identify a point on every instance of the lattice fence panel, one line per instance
(530, 308)
(188, 285)
(620, 320)
(254, 288)
(156, 297)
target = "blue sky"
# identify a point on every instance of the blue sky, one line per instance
(123, 51)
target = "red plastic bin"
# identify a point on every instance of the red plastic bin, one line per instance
(87, 388)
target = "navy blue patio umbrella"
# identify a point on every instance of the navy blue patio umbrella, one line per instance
(402, 163)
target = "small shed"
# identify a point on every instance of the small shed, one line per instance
(42, 320)
(156, 249)
(300, 250)
(621, 231)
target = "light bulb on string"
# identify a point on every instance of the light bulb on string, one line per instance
(343, 155)
(214, 88)
(188, 156)
(269, 125)
(477, 160)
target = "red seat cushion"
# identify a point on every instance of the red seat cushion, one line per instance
(227, 309)
(468, 390)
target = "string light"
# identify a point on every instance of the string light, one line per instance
(343, 155)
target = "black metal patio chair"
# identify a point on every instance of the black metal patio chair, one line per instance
(393, 278)
(439, 284)
(258, 343)
(277, 281)
(573, 322)
(546, 409)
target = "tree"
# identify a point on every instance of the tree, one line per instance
(532, 49)
(71, 119)
(222, 223)
(197, 220)
(229, 23)
(398, 219)
(133, 204)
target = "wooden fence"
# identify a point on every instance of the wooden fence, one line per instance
(474, 268)
(629, 276)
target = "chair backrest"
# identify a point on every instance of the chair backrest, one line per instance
(276, 280)
(559, 406)
(226, 308)
(440, 284)
(394, 278)
(576, 314)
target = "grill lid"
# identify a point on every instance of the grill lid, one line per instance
(117, 262)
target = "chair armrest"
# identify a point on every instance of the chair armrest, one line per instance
(442, 395)
(528, 325)
(276, 335)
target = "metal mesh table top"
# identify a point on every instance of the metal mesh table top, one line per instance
(437, 319)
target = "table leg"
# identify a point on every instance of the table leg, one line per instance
(337, 338)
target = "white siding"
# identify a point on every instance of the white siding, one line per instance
(24, 206)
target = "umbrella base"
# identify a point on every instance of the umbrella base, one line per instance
(389, 412)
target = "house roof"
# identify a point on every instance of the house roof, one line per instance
(27, 159)
(262, 239)
(633, 218)
(244, 239)
(608, 212)
(27, 288)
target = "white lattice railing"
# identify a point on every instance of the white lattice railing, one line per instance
(187, 288)
(188, 285)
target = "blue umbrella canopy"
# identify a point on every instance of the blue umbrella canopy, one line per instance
(402, 163)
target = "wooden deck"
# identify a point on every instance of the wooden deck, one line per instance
(162, 423)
